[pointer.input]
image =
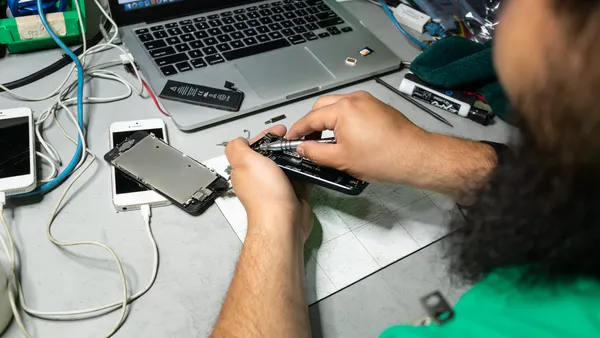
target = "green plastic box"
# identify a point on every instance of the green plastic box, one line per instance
(21, 38)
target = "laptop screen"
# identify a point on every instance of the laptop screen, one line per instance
(132, 5)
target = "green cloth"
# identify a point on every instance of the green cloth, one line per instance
(461, 64)
(498, 307)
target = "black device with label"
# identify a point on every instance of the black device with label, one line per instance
(300, 168)
(156, 165)
(229, 99)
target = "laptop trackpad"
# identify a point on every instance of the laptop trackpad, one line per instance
(284, 72)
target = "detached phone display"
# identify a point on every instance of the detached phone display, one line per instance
(300, 168)
(164, 169)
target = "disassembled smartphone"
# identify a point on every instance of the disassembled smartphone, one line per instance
(127, 194)
(17, 151)
(184, 181)
(300, 168)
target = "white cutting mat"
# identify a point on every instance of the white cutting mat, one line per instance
(355, 236)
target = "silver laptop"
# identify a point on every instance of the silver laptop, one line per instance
(273, 51)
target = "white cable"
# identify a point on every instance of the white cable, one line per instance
(52, 165)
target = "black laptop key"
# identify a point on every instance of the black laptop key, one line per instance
(155, 44)
(209, 50)
(296, 39)
(311, 18)
(187, 37)
(299, 21)
(215, 23)
(312, 27)
(198, 63)
(227, 13)
(264, 6)
(224, 38)
(277, 10)
(184, 47)
(278, 17)
(160, 34)
(287, 24)
(214, 59)
(262, 38)
(157, 28)
(300, 4)
(276, 3)
(300, 29)
(188, 29)
(214, 31)
(240, 26)
(194, 54)
(142, 31)
(265, 12)
(288, 1)
(323, 8)
(239, 11)
(275, 35)
(310, 36)
(173, 40)
(326, 15)
(262, 29)
(275, 26)
(237, 35)
(289, 7)
(334, 31)
(312, 10)
(202, 25)
(301, 12)
(228, 20)
(346, 29)
(146, 37)
(289, 15)
(174, 31)
(171, 59)
(253, 23)
(201, 35)
(223, 47)
(196, 44)
(183, 66)
(185, 22)
(323, 35)
(168, 70)
(266, 21)
(241, 17)
(252, 8)
(256, 49)
(213, 16)
(210, 41)
(236, 44)
(330, 22)
(171, 25)
(200, 19)
(160, 52)
(288, 32)
(250, 32)
(253, 15)
(250, 41)
(228, 29)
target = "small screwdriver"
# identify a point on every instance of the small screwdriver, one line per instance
(285, 145)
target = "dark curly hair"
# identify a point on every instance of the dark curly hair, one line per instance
(541, 208)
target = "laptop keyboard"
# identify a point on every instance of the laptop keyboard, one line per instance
(203, 41)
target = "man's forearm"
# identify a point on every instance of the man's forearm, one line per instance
(267, 296)
(452, 166)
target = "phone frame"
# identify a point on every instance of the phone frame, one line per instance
(134, 200)
(22, 183)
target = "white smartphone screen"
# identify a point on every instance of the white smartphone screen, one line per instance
(124, 184)
(14, 147)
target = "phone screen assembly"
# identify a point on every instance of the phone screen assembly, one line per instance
(17, 151)
(300, 168)
(184, 181)
(127, 194)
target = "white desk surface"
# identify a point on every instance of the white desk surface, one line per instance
(198, 255)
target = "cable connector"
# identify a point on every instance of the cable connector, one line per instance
(411, 18)
(146, 212)
(435, 29)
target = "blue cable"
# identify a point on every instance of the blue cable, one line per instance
(71, 166)
(404, 32)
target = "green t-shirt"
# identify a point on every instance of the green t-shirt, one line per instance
(498, 307)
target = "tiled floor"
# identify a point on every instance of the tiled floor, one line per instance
(355, 236)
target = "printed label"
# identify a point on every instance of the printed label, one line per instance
(436, 100)
(31, 27)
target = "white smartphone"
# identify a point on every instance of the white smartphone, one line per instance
(17, 151)
(126, 193)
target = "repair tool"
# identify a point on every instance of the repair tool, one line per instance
(285, 145)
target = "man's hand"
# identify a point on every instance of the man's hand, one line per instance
(264, 189)
(376, 142)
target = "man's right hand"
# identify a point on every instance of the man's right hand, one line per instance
(375, 142)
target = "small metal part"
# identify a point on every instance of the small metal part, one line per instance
(276, 119)
(224, 144)
(228, 170)
(351, 61)
(248, 134)
(437, 307)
